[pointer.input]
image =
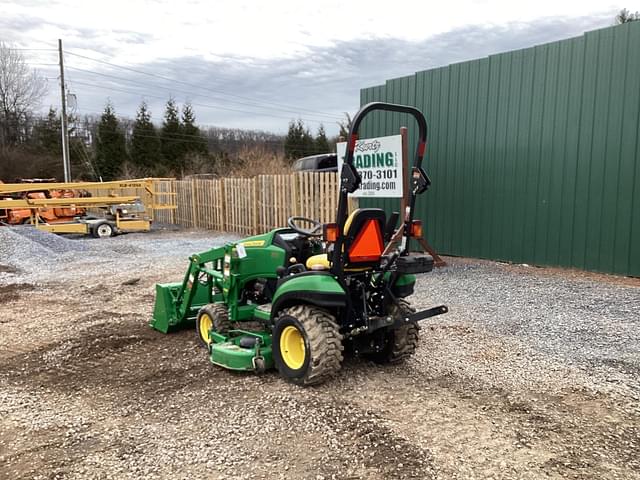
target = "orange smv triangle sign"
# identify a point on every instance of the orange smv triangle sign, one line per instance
(368, 246)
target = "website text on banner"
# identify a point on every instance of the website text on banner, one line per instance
(379, 162)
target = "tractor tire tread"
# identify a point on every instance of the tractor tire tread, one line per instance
(405, 338)
(219, 314)
(403, 341)
(325, 343)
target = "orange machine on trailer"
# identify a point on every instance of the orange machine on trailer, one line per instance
(119, 206)
(18, 215)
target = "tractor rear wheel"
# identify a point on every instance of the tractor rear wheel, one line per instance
(402, 342)
(214, 316)
(307, 345)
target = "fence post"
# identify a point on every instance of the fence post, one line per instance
(254, 180)
(223, 207)
(295, 210)
(192, 185)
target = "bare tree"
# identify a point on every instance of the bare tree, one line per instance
(345, 125)
(21, 90)
(625, 16)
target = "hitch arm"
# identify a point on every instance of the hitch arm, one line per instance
(416, 317)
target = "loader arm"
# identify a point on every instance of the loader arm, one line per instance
(177, 304)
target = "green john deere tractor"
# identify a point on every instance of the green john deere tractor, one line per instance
(298, 298)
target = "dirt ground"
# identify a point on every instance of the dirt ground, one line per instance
(88, 390)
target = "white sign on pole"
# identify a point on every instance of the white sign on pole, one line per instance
(379, 163)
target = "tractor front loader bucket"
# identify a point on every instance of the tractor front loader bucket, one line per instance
(165, 311)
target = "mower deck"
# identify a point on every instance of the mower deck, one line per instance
(241, 350)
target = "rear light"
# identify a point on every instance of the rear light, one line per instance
(330, 232)
(416, 229)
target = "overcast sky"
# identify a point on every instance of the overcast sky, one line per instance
(257, 64)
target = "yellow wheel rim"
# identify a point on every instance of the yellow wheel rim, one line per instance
(292, 347)
(205, 325)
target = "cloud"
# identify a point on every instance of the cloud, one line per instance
(14, 27)
(266, 93)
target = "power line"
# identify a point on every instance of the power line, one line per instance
(206, 137)
(170, 89)
(182, 137)
(266, 102)
(80, 132)
(214, 107)
(189, 138)
(309, 150)
(32, 49)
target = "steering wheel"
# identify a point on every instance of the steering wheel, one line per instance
(314, 231)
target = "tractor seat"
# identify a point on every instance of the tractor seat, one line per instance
(318, 262)
(358, 218)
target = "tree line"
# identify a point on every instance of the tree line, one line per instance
(107, 146)
(299, 141)
(147, 149)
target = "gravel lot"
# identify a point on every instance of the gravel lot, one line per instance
(534, 373)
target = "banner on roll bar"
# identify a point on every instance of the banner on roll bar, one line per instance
(379, 163)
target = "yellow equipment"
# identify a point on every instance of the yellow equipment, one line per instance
(124, 206)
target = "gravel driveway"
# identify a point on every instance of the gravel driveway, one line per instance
(534, 373)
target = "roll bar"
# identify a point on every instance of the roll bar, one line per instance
(350, 179)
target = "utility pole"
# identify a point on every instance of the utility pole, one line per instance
(65, 132)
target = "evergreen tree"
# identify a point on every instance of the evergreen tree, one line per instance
(308, 144)
(298, 142)
(171, 139)
(145, 143)
(194, 141)
(110, 149)
(321, 142)
(48, 133)
(292, 141)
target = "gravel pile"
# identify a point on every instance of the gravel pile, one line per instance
(31, 255)
(51, 241)
(15, 249)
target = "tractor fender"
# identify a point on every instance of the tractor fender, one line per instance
(313, 288)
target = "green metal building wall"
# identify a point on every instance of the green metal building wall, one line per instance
(533, 154)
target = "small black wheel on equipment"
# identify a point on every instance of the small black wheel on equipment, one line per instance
(400, 343)
(307, 345)
(259, 365)
(213, 316)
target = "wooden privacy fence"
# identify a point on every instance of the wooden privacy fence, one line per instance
(254, 205)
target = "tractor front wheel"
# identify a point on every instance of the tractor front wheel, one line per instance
(402, 342)
(214, 316)
(307, 345)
